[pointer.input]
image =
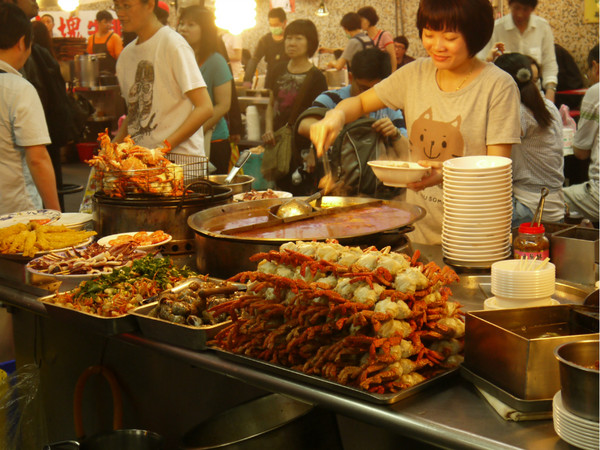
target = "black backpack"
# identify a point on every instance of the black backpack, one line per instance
(356, 144)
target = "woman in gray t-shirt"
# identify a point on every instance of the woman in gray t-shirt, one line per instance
(454, 104)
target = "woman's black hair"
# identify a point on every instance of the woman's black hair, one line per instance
(307, 29)
(369, 13)
(593, 56)
(41, 36)
(208, 30)
(474, 19)
(519, 67)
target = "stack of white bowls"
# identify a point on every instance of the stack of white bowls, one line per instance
(477, 210)
(520, 283)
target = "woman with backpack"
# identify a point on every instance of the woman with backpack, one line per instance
(538, 159)
(383, 40)
(454, 104)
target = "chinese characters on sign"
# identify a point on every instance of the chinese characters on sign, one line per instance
(80, 26)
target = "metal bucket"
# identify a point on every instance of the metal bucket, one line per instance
(87, 70)
(272, 422)
(114, 440)
(578, 380)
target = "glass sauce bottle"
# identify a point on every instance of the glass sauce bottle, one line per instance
(531, 242)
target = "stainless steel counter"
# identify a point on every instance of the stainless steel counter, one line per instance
(452, 416)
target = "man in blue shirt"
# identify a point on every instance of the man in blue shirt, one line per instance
(369, 67)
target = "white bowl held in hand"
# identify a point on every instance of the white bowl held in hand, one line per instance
(398, 173)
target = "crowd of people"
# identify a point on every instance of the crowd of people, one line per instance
(486, 87)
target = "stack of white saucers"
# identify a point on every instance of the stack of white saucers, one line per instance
(520, 283)
(575, 430)
(477, 210)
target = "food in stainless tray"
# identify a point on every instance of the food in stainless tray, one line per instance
(259, 195)
(94, 259)
(190, 306)
(375, 320)
(115, 294)
(32, 238)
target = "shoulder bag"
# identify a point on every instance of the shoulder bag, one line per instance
(277, 157)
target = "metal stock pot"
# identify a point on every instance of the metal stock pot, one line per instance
(223, 255)
(87, 69)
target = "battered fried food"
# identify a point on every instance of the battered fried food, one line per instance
(33, 237)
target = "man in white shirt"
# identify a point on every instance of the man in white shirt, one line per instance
(26, 175)
(524, 32)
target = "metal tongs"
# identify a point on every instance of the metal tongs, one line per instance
(537, 217)
(326, 184)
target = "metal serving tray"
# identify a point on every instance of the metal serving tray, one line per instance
(513, 348)
(519, 404)
(382, 399)
(106, 326)
(186, 336)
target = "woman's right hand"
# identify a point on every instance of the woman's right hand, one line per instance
(324, 132)
(269, 138)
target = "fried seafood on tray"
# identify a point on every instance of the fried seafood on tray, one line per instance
(375, 320)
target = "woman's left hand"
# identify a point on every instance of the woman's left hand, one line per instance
(433, 179)
(269, 138)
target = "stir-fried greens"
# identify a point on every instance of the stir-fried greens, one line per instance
(116, 293)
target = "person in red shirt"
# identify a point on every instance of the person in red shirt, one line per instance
(105, 41)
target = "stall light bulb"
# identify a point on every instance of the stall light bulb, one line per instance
(243, 18)
(322, 10)
(68, 5)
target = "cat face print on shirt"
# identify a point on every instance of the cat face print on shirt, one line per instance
(434, 140)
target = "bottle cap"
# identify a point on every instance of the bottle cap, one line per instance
(528, 228)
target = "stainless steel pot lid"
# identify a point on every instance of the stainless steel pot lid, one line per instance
(390, 215)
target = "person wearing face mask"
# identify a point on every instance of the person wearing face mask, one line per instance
(454, 103)
(357, 41)
(271, 46)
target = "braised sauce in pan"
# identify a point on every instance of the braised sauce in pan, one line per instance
(359, 221)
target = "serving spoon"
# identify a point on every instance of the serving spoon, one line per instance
(297, 207)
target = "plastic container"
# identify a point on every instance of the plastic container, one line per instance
(86, 150)
(531, 242)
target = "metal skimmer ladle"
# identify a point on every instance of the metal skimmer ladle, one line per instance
(537, 217)
(296, 207)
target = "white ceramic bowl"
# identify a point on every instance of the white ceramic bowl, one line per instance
(502, 303)
(479, 180)
(502, 201)
(481, 197)
(477, 192)
(398, 173)
(459, 212)
(475, 173)
(475, 239)
(482, 163)
(520, 268)
(455, 245)
(485, 256)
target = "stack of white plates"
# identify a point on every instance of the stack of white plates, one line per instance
(575, 430)
(518, 283)
(75, 221)
(477, 210)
